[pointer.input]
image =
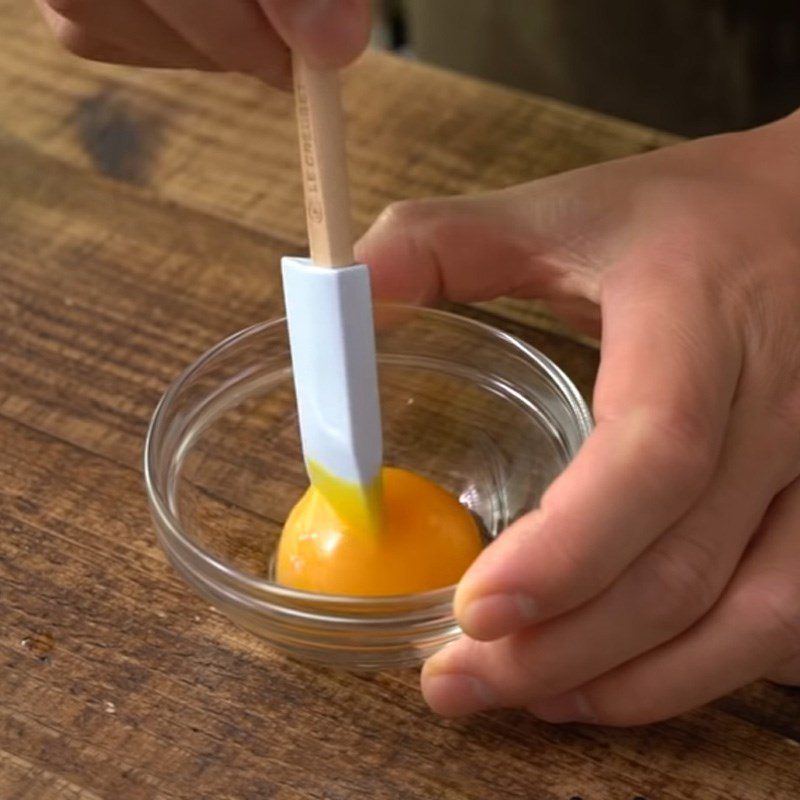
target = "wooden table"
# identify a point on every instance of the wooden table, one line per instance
(141, 219)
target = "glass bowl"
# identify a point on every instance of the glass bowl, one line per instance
(471, 407)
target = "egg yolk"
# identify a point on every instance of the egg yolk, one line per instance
(427, 539)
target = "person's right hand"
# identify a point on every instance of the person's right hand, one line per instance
(249, 36)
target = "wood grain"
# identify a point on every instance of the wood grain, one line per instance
(120, 264)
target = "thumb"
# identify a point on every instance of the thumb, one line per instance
(329, 33)
(465, 249)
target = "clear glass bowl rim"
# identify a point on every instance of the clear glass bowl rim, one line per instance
(263, 587)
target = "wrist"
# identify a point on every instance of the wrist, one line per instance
(771, 153)
(784, 136)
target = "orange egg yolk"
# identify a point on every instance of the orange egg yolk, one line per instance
(427, 540)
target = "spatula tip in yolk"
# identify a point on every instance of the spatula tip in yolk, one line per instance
(427, 540)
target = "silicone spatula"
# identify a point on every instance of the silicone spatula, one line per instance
(329, 313)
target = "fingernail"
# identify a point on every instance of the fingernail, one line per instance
(498, 615)
(569, 707)
(455, 694)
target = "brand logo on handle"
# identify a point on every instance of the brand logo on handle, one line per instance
(314, 207)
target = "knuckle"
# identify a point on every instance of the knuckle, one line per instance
(787, 671)
(534, 672)
(412, 226)
(787, 409)
(569, 562)
(679, 444)
(401, 214)
(428, 213)
(241, 50)
(70, 9)
(75, 39)
(676, 587)
(776, 607)
(544, 683)
(639, 707)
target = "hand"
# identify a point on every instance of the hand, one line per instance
(662, 568)
(250, 36)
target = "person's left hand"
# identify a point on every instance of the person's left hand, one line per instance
(662, 568)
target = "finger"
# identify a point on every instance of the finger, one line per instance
(753, 630)
(667, 378)
(123, 32)
(663, 593)
(466, 249)
(234, 34)
(787, 673)
(75, 39)
(329, 33)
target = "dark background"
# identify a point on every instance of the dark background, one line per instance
(687, 66)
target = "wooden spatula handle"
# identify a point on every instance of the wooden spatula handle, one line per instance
(320, 122)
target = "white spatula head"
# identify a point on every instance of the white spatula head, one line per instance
(332, 340)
